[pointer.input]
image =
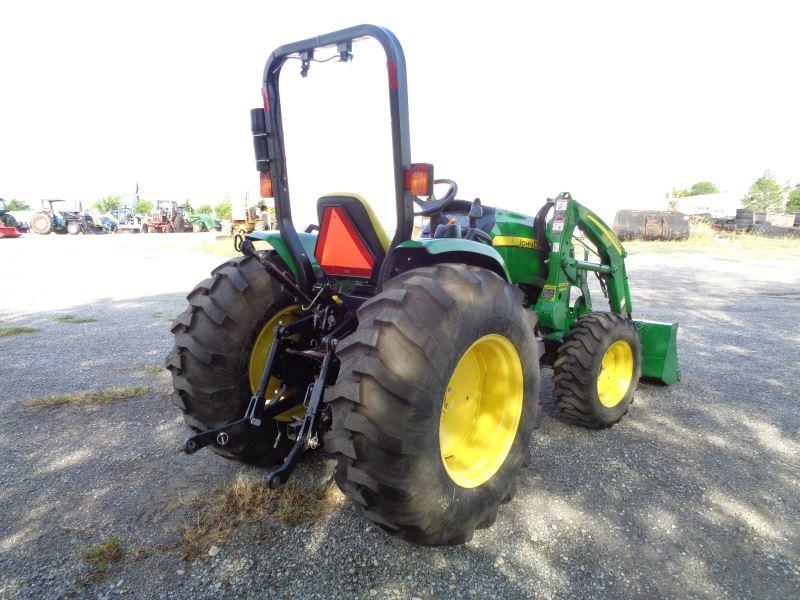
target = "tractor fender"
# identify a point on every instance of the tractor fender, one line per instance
(424, 253)
(275, 241)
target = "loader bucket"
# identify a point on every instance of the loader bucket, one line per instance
(650, 225)
(659, 351)
(10, 232)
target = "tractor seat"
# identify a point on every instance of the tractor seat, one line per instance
(351, 242)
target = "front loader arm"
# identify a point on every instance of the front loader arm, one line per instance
(611, 253)
(565, 271)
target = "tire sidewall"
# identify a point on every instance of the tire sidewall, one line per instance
(454, 506)
(41, 218)
(613, 414)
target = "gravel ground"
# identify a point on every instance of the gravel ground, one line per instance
(695, 493)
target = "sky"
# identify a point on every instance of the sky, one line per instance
(615, 102)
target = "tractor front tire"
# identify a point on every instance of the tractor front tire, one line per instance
(74, 227)
(597, 369)
(435, 402)
(198, 227)
(210, 361)
(42, 223)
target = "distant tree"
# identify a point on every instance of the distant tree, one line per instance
(142, 206)
(698, 189)
(188, 207)
(223, 211)
(108, 203)
(17, 205)
(204, 209)
(766, 194)
(680, 193)
(703, 187)
(794, 200)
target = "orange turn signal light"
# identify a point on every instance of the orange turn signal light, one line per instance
(419, 179)
(266, 184)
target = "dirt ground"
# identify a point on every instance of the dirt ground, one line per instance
(694, 494)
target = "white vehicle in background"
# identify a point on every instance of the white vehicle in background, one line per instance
(127, 221)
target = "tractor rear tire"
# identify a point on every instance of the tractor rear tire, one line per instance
(411, 366)
(145, 228)
(42, 223)
(210, 360)
(597, 369)
(179, 225)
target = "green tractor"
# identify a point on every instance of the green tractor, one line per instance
(200, 222)
(416, 362)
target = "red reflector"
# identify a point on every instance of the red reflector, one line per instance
(340, 250)
(266, 184)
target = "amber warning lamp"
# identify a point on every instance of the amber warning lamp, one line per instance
(419, 179)
(266, 184)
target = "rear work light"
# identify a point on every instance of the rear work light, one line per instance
(419, 179)
(266, 184)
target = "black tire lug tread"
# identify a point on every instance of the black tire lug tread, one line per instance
(380, 401)
(576, 361)
(207, 362)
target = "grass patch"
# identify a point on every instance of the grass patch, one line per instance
(86, 398)
(156, 315)
(216, 513)
(161, 380)
(7, 331)
(74, 319)
(734, 245)
(100, 556)
(223, 247)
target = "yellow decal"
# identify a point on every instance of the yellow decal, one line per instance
(513, 240)
(611, 237)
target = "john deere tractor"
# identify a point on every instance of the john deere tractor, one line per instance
(415, 362)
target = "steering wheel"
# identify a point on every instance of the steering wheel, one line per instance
(430, 207)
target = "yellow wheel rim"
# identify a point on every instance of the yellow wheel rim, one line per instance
(616, 372)
(258, 356)
(481, 411)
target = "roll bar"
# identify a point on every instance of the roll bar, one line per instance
(398, 108)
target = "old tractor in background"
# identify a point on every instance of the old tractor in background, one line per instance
(246, 219)
(166, 217)
(8, 224)
(416, 362)
(200, 222)
(169, 217)
(49, 220)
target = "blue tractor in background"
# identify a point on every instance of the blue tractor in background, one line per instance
(65, 221)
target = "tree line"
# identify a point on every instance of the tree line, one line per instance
(766, 194)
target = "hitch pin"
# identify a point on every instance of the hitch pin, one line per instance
(310, 304)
